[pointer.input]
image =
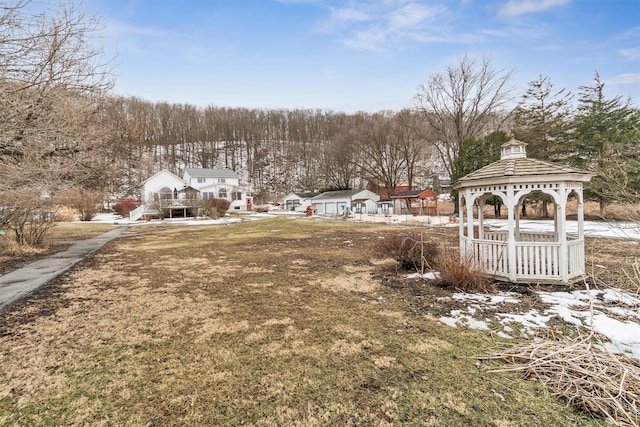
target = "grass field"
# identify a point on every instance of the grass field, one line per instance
(268, 323)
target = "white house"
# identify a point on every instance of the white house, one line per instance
(220, 184)
(181, 197)
(338, 202)
(297, 201)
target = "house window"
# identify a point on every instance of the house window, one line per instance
(208, 195)
(236, 195)
(202, 180)
(165, 193)
(221, 180)
(222, 193)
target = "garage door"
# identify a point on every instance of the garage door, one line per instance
(330, 208)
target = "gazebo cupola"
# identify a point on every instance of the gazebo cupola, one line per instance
(512, 255)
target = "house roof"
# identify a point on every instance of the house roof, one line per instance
(406, 194)
(163, 172)
(341, 194)
(419, 194)
(303, 195)
(210, 173)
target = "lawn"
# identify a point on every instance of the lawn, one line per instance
(264, 323)
(60, 237)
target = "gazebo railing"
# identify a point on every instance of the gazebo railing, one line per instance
(490, 256)
(530, 236)
(535, 259)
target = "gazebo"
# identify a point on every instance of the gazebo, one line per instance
(512, 255)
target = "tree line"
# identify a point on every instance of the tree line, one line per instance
(65, 138)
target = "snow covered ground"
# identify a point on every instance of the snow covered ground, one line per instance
(612, 313)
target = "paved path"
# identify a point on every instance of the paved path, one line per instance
(25, 280)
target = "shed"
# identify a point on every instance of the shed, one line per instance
(297, 201)
(416, 202)
(512, 255)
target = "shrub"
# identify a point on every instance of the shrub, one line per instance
(124, 207)
(409, 249)
(217, 207)
(261, 209)
(30, 218)
(87, 202)
(461, 274)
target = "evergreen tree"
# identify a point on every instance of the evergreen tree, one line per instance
(542, 118)
(542, 121)
(606, 140)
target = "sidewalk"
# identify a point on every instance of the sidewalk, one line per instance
(25, 280)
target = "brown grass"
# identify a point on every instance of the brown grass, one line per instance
(269, 323)
(461, 274)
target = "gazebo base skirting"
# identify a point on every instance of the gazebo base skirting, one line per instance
(538, 257)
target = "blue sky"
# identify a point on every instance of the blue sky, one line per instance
(356, 55)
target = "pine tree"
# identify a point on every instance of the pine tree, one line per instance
(606, 140)
(542, 118)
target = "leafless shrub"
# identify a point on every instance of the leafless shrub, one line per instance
(592, 379)
(29, 217)
(461, 273)
(87, 202)
(261, 209)
(410, 250)
(217, 207)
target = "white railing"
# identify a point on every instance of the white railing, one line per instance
(538, 259)
(491, 256)
(535, 259)
(576, 258)
(136, 214)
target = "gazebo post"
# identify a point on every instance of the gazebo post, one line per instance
(580, 195)
(511, 239)
(580, 214)
(562, 233)
(469, 205)
(461, 218)
(481, 201)
(517, 209)
(556, 216)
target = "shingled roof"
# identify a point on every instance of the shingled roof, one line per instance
(514, 166)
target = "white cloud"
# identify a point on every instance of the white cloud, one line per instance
(631, 54)
(349, 15)
(623, 79)
(382, 24)
(410, 15)
(520, 7)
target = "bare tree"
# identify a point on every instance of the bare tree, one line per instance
(381, 157)
(462, 103)
(51, 87)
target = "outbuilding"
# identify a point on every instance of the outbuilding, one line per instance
(344, 201)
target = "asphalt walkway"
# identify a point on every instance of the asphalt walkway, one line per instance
(23, 281)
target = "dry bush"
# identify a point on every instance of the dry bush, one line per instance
(591, 379)
(217, 207)
(461, 273)
(409, 249)
(87, 202)
(261, 209)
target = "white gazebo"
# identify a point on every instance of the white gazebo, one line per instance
(512, 255)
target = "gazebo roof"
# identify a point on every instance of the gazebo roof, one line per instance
(514, 166)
